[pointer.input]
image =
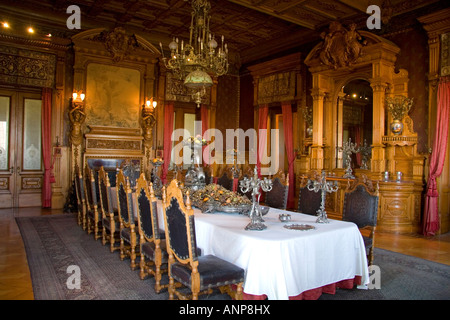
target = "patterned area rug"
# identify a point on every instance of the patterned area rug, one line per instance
(53, 243)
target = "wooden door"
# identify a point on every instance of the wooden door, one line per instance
(21, 167)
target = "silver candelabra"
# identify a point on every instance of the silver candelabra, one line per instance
(255, 185)
(325, 187)
(347, 150)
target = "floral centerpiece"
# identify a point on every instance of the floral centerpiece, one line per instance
(399, 107)
(218, 198)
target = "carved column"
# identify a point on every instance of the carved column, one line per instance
(378, 162)
(317, 154)
(340, 129)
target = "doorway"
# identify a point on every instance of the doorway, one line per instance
(21, 168)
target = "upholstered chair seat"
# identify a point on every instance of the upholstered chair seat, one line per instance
(214, 272)
(149, 251)
(107, 222)
(125, 234)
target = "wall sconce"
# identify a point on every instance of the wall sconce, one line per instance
(148, 119)
(150, 102)
(78, 96)
(77, 117)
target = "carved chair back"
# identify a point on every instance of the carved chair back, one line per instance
(124, 200)
(91, 193)
(278, 196)
(226, 178)
(361, 207)
(105, 193)
(147, 210)
(179, 226)
(308, 200)
(361, 203)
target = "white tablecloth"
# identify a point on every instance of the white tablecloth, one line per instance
(279, 262)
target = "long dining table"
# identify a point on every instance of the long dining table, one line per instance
(282, 263)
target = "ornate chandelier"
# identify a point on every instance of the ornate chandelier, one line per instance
(193, 62)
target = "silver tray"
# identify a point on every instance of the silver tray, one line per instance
(233, 209)
(301, 227)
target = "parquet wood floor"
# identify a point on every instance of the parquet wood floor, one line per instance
(15, 281)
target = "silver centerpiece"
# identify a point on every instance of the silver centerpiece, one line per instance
(255, 184)
(195, 176)
(325, 187)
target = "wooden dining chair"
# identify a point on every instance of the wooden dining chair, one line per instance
(278, 196)
(226, 179)
(186, 268)
(81, 198)
(110, 219)
(128, 238)
(361, 207)
(153, 252)
(308, 200)
(93, 216)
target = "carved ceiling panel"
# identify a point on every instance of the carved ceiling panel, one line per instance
(253, 29)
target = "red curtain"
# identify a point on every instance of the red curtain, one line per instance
(431, 212)
(168, 129)
(49, 178)
(262, 136)
(205, 126)
(289, 142)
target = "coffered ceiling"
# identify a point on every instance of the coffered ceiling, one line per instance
(253, 29)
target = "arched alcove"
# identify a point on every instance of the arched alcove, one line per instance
(344, 56)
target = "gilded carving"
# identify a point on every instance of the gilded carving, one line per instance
(177, 91)
(119, 44)
(276, 87)
(341, 47)
(26, 67)
(148, 121)
(445, 54)
(113, 144)
(76, 117)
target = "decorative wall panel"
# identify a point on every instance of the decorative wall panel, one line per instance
(445, 54)
(26, 67)
(113, 95)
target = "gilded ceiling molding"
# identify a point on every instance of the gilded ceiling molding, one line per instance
(117, 44)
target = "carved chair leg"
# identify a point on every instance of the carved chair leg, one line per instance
(171, 288)
(133, 257)
(239, 292)
(104, 235)
(142, 273)
(158, 278)
(122, 249)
